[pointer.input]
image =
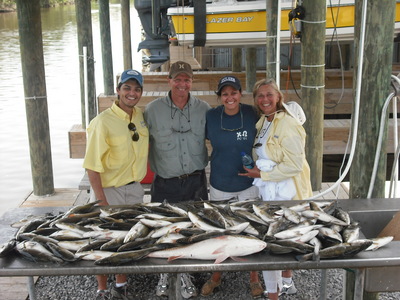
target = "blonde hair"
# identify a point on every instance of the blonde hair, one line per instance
(272, 83)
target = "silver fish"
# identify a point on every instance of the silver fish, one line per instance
(351, 233)
(138, 230)
(170, 228)
(94, 254)
(60, 252)
(154, 223)
(262, 214)
(126, 257)
(379, 242)
(36, 252)
(218, 249)
(7, 247)
(322, 216)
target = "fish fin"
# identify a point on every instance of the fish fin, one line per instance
(220, 259)
(174, 257)
(236, 258)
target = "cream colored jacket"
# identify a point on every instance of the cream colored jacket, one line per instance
(285, 146)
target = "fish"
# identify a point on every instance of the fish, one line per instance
(323, 217)
(351, 233)
(154, 223)
(36, 252)
(137, 244)
(84, 208)
(279, 249)
(299, 246)
(94, 254)
(60, 252)
(295, 231)
(37, 238)
(137, 230)
(262, 214)
(65, 234)
(113, 244)
(73, 227)
(122, 258)
(342, 215)
(73, 245)
(379, 242)
(317, 246)
(105, 234)
(7, 247)
(92, 245)
(218, 249)
(29, 226)
(170, 228)
(291, 215)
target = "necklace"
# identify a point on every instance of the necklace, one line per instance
(262, 133)
(241, 118)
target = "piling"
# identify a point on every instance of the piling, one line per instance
(32, 61)
(126, 34)
(106, 52)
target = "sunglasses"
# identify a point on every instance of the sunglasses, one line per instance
(135, 136)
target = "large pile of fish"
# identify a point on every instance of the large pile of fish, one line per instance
(192, 230)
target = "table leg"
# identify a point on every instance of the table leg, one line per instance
(31, 288)
(174, 281)
(322, 290)
(359, 284)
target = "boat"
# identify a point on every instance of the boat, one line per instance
(232, 23)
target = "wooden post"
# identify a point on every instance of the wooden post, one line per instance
(236, 59)
(251, 68)
(32, 61)
(375, 88)
(126, 34)
(108, 75)
(85, 39)
(271, 59)
(313, 84)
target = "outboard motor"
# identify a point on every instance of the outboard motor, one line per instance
(153, 16)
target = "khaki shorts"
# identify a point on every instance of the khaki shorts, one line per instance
(250, 193)
(123, 195)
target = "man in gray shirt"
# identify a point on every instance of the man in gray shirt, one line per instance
(178, 154)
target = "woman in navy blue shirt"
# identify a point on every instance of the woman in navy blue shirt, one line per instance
(231, 130)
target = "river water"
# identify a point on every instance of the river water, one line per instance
(60, 45)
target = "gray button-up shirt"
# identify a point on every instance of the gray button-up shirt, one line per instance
(177, 137)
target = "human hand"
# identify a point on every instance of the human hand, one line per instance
(251, 173)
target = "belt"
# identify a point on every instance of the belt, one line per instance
(185, 176)
(132, 182)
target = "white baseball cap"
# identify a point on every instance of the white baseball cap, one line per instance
(295, 110)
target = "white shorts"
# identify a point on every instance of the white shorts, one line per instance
(123, 195)
(250, 193)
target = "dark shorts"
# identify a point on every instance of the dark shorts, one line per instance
(178, 189)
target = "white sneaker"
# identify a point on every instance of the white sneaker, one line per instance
(162, 286)
(187, 287)
(288, 289)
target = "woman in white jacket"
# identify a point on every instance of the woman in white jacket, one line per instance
(282, 172)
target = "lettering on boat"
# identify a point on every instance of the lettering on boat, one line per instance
(229, 20)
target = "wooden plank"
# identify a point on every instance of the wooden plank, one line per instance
(61, 197)
(15, 288)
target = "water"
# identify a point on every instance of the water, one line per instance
(60, 45)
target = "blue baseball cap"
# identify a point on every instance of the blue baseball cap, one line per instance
(131, 74)
(228, 80)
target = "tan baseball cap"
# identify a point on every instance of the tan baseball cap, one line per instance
(180, 67)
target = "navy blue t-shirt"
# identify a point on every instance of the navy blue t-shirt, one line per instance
(229, 136)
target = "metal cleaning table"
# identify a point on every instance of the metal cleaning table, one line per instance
(373, 215)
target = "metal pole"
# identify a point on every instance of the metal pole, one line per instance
(31, 288)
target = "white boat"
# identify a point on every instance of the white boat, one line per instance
(234, 23)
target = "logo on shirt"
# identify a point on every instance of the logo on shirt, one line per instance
(241, 135)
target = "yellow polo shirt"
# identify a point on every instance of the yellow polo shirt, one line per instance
(110, 149)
